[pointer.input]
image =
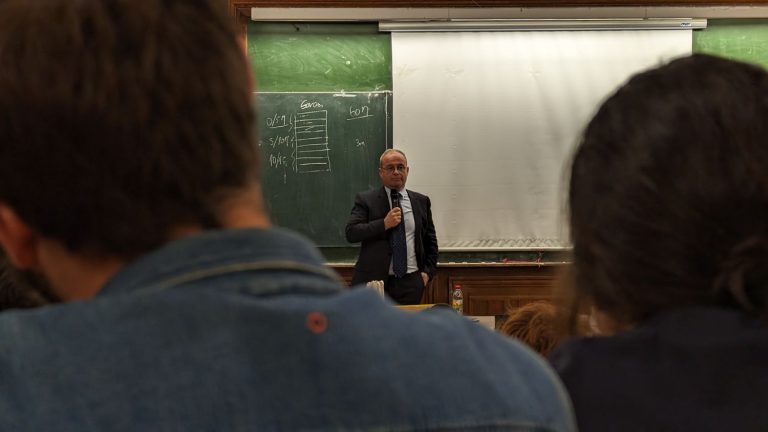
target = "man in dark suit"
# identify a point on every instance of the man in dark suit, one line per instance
(399, 244)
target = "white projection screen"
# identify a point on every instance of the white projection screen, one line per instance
(489, 121)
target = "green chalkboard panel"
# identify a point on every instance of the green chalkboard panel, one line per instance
(739, 39)
(290, 57)
(318, 151)
(324, 88)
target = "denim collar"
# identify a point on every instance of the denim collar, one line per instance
(218, 252)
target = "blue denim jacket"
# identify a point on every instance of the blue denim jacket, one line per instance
(247, 330)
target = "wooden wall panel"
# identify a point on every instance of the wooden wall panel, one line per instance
(488, 290)
(345, 272)
(494, 295)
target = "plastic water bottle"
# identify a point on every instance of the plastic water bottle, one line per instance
(457, 299)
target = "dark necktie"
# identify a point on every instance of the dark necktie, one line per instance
(399, 248)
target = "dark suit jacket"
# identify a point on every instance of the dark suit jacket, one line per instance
(366, 225)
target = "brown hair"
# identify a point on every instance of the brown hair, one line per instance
(534, 324)
(669, 190)
(121, 119)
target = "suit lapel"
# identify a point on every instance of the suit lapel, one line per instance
(383, 201)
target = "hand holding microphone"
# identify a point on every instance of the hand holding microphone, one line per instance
(395, 215)
(393, 218)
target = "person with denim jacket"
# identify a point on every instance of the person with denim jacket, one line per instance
(129, 181)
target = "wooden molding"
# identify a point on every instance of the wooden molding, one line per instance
(238, 7)
(240, 10)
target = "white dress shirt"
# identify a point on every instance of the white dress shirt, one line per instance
(410, 228)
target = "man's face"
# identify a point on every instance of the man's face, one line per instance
(393, 170)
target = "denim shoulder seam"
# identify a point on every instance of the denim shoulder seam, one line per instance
(234, 268)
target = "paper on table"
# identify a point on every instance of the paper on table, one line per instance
(485, 321)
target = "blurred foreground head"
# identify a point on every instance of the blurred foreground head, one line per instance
(669, 192)
(121, 120)
(124, 125)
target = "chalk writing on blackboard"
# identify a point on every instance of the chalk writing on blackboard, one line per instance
(312, 141)
(298, 141)
(359, 112)
(278, 121)
(314, 160)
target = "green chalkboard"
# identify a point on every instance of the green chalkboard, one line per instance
(318, 151)
(739, 39)
(323, 98)
(292, 57)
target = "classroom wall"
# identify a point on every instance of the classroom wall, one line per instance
(497, 280)
(739, 39)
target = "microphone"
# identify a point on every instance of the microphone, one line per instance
(395, 198)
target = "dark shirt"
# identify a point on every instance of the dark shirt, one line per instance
(697, 369)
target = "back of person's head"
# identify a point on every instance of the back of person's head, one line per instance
(668, 191)
(535, 325)
(121, 119)
(22, 289)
